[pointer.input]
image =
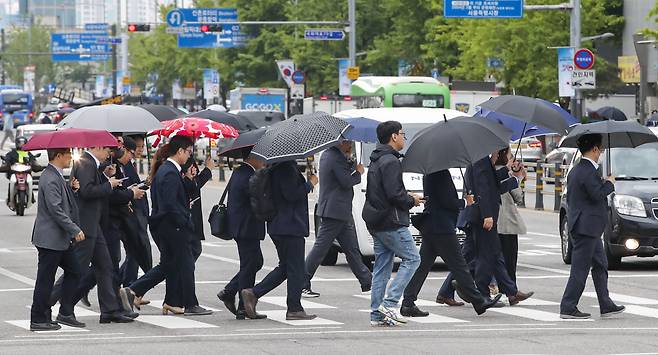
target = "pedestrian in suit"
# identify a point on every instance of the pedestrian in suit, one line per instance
(194, 181)
(172, 228)
(587, 216)
(56, 229)
(510, 222)
(334, 208)
(288, 229)
(487, 184)
(439, 239)
(92, 198)
(247, 231)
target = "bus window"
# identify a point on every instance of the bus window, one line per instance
(418, 100)
(370, 102)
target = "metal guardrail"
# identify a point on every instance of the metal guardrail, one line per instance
(559, 171)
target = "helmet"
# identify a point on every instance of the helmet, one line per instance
(20, 141)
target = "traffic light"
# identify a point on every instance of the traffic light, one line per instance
(211, 28)
(137, 27)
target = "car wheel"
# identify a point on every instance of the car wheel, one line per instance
(565, 242)
(331, 258)
(614, 261)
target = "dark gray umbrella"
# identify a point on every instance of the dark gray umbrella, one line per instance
(454, 143)
(299, 137)
(242, 124)
(163, 112)
(534, 112)
(245, 141)
(610, 113)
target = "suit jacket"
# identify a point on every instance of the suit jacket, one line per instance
(290, 194)
(121, 197)
(487, 184)
(193, 189)
(338, 179)
(93, 196)
(241, 221)
(57, 220)
(141, 205)
(587, 200)
(443, 203)
(169, 198)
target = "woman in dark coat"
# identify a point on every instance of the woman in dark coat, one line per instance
(193, 181)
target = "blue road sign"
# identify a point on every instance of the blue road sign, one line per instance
(493, 62)
(324, 34)
(298, 77)
(110, 40)
(102, 27)
(435, 73)
(483, 8)
(79, 47)
(191, 35)
(583, 59)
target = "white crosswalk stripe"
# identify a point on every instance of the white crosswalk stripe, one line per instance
(173, 322)
(624, 299)
(534, 314)
(281, 301)
(431, 319)
(25, 324)
(158, 303)
(419, 303)
(280, 316)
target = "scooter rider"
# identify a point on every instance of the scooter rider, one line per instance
(18, 155)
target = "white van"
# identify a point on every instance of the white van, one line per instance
(413, 120)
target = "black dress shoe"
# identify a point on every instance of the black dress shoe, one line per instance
(301, 315)
(460, 291)
(576, 314)
(242, 315)
(611, 312)
(127, 298)
(413, 311)
(197, 311)
(228, 300)
(42, 327)
(115, 318)
(250, 300)
(131, 314)
(482, 307)
(70, 321)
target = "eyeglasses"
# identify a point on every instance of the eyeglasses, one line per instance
(404, 135)
(188, 151)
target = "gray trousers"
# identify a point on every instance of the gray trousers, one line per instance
(345, 232)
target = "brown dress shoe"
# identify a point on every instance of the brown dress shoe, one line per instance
(301, 315)
(250, 300)
(448, 301)
(520, 296)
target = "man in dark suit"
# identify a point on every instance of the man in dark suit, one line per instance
(93, 196)
(487, 184)
(587, 216)
(288, 230)
(338, 176)
(247, 231)
(171, 225)
(56, 228)
(439, 239)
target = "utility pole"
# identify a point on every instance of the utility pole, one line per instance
(577, 99)
(114, 62)
(351, 14)
(2, 59)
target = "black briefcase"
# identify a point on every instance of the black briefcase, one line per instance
(218, 218)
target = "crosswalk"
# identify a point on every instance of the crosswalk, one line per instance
(533, 309)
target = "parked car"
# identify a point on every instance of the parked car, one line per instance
(531, 149)
(561, 156)
(632, 228)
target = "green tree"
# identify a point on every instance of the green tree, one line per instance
(29, 46)
(653, 14)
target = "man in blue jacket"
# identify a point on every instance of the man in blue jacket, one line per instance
(247, 231)
(338, 175)
(587, 200)
(287, 229)
(386, 214)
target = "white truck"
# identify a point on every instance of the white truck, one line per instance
(328, 105)
(467, 101)
(259, 99)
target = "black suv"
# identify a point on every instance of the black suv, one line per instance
(632, 227)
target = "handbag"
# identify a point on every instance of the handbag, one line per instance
(218, 218)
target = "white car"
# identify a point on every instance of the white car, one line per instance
(413, 120)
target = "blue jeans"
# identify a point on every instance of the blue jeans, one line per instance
(388, 244)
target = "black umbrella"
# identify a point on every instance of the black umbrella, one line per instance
(240, 123)
(616, 134)
(535, 112)
(245, 141)
(163, 112)
(610, 113)
(454, 143)
(299, 137)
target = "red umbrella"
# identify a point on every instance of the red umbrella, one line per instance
(197, 128)
(71, 138)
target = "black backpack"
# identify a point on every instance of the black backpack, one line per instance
(260, 195)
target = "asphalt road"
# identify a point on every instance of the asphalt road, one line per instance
(532, 327)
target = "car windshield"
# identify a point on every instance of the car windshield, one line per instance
(417, 100)
(640, 162)
(410, 130)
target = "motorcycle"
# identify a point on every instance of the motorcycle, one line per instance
(21, 193)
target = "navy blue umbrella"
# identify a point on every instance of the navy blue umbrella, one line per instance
(363, 130)
(611, 113)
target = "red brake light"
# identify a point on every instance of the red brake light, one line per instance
(347, 98)
(324, 98)
(535, 144)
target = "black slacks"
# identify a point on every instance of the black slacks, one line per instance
(510, 246)
(251, 261)
(586, 254)
(290, 250)
(447, 247)
(489, 262)
(49, 260)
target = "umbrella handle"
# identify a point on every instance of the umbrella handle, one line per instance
(518, 146)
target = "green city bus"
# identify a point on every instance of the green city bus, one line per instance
(402, 91)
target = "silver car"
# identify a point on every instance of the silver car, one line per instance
(531, 150)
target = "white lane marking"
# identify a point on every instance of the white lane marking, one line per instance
(625, 298)
(158, 304)
(78, 311)
(278, 328)
(419, 302)
(16, 289)
(538, 252)
(549, 246)
(73, 334)
(229, 260)
(431, 319)
(532, 314)
(641, 311)
(280, 316)
(17, 277)
(281, 301)
(173, 322)
(537, 302)
(25, 324)
(544, 234)
(507, 325)
(537, 267)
